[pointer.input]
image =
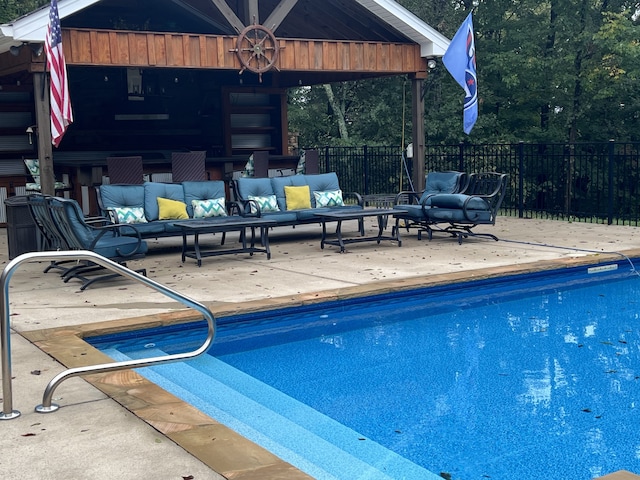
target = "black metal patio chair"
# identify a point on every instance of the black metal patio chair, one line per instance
(104, 240)
(477, 205)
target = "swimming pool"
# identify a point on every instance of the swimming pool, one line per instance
(520, 377)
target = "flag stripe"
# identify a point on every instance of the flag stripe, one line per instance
(61, 114)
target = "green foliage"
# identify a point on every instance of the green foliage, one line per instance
(12, 9)
(548, 71)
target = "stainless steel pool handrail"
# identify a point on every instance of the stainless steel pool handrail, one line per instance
(5, 343)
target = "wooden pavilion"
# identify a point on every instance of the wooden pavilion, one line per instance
(151, 77)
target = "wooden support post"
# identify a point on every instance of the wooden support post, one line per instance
(260, 164)
(311, 161)
(418, 136)
(43, 126)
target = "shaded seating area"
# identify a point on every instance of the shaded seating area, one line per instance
(64, 227)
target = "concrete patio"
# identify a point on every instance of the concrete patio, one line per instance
(93, 436)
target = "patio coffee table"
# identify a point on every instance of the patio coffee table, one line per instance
(342, 215)
(224, 225)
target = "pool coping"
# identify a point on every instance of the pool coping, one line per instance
(220, 448)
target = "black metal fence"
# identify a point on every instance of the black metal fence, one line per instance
(587, 182)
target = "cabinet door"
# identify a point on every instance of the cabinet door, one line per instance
(254, 121)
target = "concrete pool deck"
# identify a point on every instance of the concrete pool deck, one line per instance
(94, 436)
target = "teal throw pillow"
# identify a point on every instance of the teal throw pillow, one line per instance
(214, 207)
(129, 215)
(266, 204)
(330, 198)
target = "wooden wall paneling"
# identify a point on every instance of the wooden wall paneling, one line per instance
(344, 57)
(329, 55)
(138, 52)
(79, 47)
(113, 46)
(370, 56)
(191, 48)
(151, 49)
(160, 48)
(175, 54)
(406, 59)
(395, 57)
(89, 47)
(230, 59)
(356, 55)
(298, 56)
(317, 56)
(122, 50)
(202, 46)
(383, 57)
(100, 51)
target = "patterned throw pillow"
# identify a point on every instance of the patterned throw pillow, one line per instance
(213, 207)
(129, 215)
(266, 204)
(330, 198)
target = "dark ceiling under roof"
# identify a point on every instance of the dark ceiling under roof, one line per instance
(312, 19)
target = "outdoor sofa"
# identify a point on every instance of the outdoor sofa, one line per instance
(154, 207)
(294, 199)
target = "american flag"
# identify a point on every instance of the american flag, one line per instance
(61, 115)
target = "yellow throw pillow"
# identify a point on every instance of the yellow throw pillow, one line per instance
(297, 197)
(172, 209)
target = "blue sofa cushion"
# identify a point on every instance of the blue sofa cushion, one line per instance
(278, 184)
(145, 229)
(208, 190)
(153, 190)
(256, 187)
(322, 182)
(413, 212)
(122, 196)
(282, 217)
(457, 215)
(110, 246)
(441, 182)
(457, 200)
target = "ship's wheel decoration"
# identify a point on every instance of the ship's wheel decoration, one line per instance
(257, 49)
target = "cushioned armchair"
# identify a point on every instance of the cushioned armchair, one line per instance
(410, 205)
(104, 240)
(477, 205)
(33, 165)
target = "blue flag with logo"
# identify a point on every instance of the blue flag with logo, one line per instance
(460, 60)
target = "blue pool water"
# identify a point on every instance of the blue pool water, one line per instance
(530, 377)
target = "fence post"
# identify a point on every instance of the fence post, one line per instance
(610, 186)
(327, 166)
(365, 169)
(461, 157)
(521, 179)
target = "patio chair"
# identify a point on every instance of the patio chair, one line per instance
(127, 170)
(33, 165)
(410, 205)
(52, 239)
(104, 240)
(188, 166)
(477, 205)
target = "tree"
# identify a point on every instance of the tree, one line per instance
(12, 9)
